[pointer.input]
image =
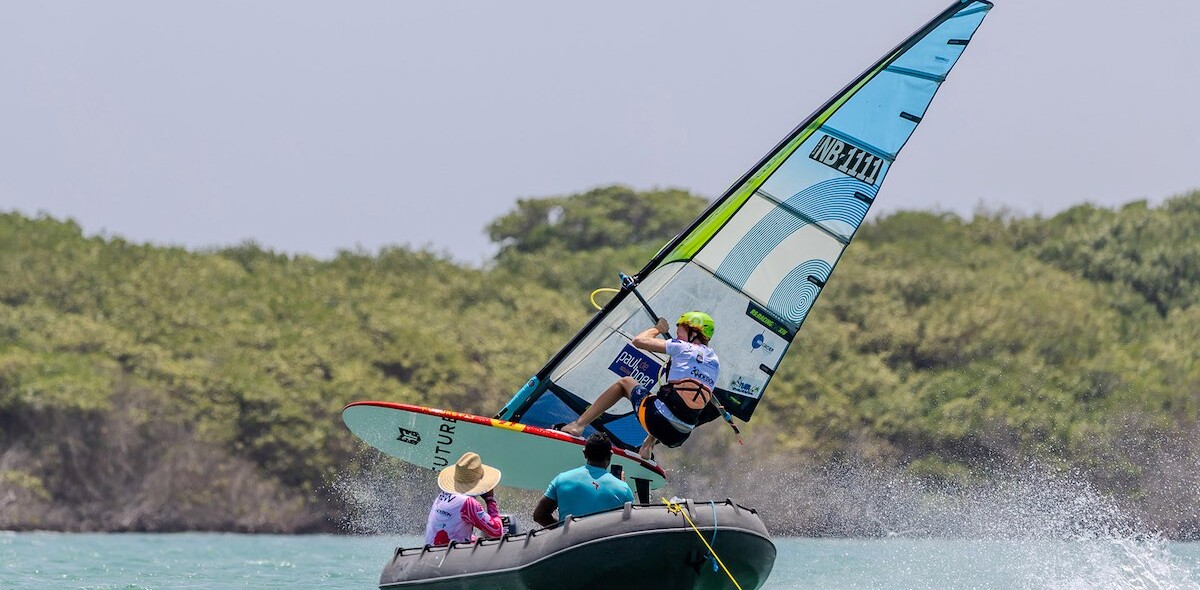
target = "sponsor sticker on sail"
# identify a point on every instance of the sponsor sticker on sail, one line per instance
(631, 362)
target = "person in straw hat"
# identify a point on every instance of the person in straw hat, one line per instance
(455, 513)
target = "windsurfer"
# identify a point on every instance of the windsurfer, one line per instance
(683, 402)
(455, 513)
(584, 490)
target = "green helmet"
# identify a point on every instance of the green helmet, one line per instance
(700, 321)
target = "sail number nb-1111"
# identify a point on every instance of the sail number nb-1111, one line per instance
(848, 159)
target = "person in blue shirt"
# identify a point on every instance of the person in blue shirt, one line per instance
(584, 490)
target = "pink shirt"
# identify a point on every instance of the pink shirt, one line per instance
(454, 517)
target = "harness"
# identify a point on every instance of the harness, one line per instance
(672, 396)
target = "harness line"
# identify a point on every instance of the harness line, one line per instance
(592, 297)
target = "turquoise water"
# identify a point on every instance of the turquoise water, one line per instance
(217, 561)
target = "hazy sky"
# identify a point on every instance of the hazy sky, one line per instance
(318, 126)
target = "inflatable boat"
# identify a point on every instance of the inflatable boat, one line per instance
(688, 544)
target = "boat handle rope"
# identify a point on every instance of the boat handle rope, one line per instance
(675, 507)
(714, 536)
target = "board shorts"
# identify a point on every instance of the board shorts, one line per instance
(654, 418)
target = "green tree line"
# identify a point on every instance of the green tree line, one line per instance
(156, 388)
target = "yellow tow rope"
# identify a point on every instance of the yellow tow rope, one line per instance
(601, 290)
(674, 507)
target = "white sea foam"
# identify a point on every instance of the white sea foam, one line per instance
(1028, 527)
(385, 496)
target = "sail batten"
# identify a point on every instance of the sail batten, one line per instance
(917, 74)
(760, 256)
(974, 11)
(806, 218)
(848, 138)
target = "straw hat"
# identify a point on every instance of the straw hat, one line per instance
(468, 476)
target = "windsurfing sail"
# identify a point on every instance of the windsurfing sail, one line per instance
(757, 259)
